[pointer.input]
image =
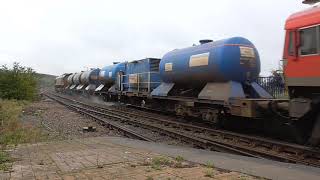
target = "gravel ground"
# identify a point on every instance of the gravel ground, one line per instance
(156, 136)
(60, 122)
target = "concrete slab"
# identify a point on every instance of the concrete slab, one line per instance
(105, 158)
(257, 167)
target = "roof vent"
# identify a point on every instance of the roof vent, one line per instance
(116, 62)
(311, 2)
(204, 41)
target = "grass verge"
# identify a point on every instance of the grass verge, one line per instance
(5, 161)
(13, 131)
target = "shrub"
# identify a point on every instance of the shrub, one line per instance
(17, 83)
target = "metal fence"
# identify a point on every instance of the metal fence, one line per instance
(274, 85)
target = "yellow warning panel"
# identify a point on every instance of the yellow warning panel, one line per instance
(168, 67)
(133, 78)
(199, 60)
(247, 52)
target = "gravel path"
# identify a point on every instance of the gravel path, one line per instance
(60, 122)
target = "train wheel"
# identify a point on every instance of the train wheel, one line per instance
(315, 135)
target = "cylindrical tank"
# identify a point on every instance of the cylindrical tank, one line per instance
(76, 78)
(59, 80)
(70, 79)
(89, 77)
(84, 78)
(233, 59)
(109, 74)
(94, 76)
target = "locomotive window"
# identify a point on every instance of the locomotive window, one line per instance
(308, 39)
(291, 45)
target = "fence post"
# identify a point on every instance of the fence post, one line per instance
(149, 82)
(138, 81)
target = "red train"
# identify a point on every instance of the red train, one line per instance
(301, 66)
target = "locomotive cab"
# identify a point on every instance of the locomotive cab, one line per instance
(302, 53)
(301, 66)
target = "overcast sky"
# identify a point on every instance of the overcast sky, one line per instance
(57, 36)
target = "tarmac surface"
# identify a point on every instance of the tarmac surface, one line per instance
(122, 158)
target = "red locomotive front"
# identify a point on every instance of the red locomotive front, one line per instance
(302, 68)
(302, 53)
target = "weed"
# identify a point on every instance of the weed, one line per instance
(4, 160)
(209, 173)
(158, 162)
(156, 166)
(4, 157)
(4, 167)
(149, 178)
(209, 164)
(179, 159)
(242, 178)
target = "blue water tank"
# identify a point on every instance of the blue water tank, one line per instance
(233, 59)
(108, 74)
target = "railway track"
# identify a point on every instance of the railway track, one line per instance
(103, 121)
(206, 138)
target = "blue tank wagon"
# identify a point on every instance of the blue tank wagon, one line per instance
(233, 59)
(108, 76)
(208, 77)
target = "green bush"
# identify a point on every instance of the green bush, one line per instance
(17, 83)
